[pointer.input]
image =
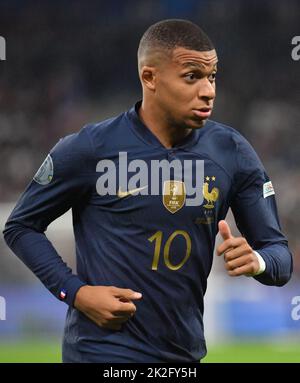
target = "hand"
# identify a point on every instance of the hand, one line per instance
(107, 306)
(238, 254)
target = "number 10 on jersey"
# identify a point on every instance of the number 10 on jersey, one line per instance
(158, 238)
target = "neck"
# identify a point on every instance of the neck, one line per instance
(155, 120)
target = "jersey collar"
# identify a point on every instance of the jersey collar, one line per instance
(147, 136)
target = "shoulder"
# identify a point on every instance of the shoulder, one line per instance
(225, 135)
(230, 151)
(106, 131)
(232, 144)
(84, 142)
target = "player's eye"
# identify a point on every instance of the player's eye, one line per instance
(190, 77)
(212, 77)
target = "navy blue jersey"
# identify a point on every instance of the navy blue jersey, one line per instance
(149, 243)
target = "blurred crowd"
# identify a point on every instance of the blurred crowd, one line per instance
(69, 63)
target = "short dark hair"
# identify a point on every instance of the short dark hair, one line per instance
(171, 33)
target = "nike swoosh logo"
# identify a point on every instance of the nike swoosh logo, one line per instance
(122, 194)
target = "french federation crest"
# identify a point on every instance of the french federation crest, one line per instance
(174, 194)
(212, 195)
(45, 173)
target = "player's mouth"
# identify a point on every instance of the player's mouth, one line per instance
(204, 112)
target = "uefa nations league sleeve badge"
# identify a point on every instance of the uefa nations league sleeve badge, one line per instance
(45, 173)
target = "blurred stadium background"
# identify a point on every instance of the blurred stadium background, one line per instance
(73, 62)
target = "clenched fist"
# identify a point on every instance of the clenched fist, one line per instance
(108, 306)
(239, 256)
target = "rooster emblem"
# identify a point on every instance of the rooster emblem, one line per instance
(210, 196)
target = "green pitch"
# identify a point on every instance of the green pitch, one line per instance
(49, 352)
(254, 353)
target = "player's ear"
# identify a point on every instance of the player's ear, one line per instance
(148, 77)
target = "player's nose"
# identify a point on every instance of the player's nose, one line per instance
(206, 90)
